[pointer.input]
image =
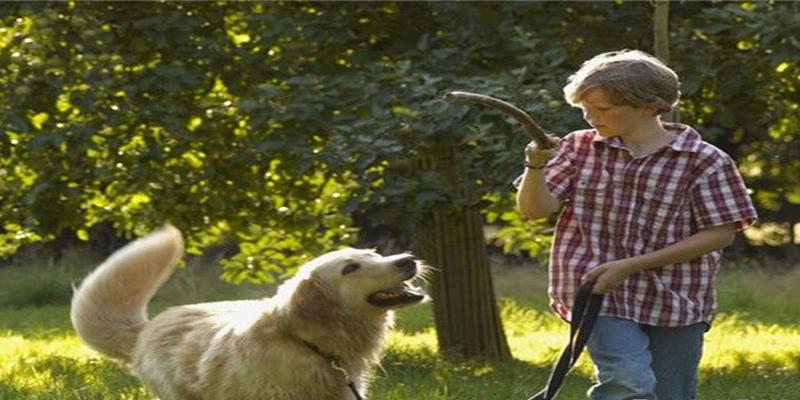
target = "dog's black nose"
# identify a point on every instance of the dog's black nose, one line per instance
(407, 263)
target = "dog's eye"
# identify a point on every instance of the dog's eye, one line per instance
(349, 268)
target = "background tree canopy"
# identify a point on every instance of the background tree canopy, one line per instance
(284, 126)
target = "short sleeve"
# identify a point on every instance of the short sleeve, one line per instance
(721, 198)
(559, 170)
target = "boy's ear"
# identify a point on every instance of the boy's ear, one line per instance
(650, 110)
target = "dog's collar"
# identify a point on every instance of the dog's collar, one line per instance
(335, 364)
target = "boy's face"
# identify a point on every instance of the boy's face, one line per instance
(611, 119)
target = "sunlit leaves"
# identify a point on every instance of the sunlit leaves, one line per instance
(243, 117)
(193, 159)
(38, 120)
(301, 230)
(747, 91)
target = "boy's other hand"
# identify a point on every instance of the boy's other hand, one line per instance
(607, 276)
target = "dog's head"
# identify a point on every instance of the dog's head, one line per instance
(360, 280)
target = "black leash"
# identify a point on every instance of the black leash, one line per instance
(347, 380)
(584, 315)
(336, 365)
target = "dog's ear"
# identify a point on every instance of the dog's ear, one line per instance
(314, 298)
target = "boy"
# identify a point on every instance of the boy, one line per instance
(647, 208)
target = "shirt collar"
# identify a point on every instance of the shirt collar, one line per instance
(686, 139)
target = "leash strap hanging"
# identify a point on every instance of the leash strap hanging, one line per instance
(584, 315)
(354, 390)
(347, 380)
(336, 365)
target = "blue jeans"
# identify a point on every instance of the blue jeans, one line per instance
(641, 362)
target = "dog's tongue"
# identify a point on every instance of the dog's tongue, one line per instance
(403, 294)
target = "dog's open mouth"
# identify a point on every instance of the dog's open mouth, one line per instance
(399, 295)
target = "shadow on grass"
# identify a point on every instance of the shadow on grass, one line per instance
(9, 391)
(36, 322)
(423, 374)
(750, 382)
(761, 295)
(407, 373)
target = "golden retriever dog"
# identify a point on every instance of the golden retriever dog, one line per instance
(316, 339)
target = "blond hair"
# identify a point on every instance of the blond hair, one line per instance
(628, 77)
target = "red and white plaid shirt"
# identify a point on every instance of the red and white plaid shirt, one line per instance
(617, 206)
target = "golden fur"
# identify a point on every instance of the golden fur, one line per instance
(268, 349)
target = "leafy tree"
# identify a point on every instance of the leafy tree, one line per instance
(278, 124)
(745, 96)
(119, 113)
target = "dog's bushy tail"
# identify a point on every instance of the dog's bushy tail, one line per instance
(110, 306)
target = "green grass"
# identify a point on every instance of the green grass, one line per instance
(752, 352)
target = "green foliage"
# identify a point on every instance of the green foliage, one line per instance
(140, 120)
(741, 74)
(276, 124)
(516, 234)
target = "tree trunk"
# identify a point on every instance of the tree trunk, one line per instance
(661, 43)
(467, 317)
(661, 30)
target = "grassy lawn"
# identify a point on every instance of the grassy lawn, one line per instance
(751, 353)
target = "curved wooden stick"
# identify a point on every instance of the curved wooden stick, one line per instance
(528, 124)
